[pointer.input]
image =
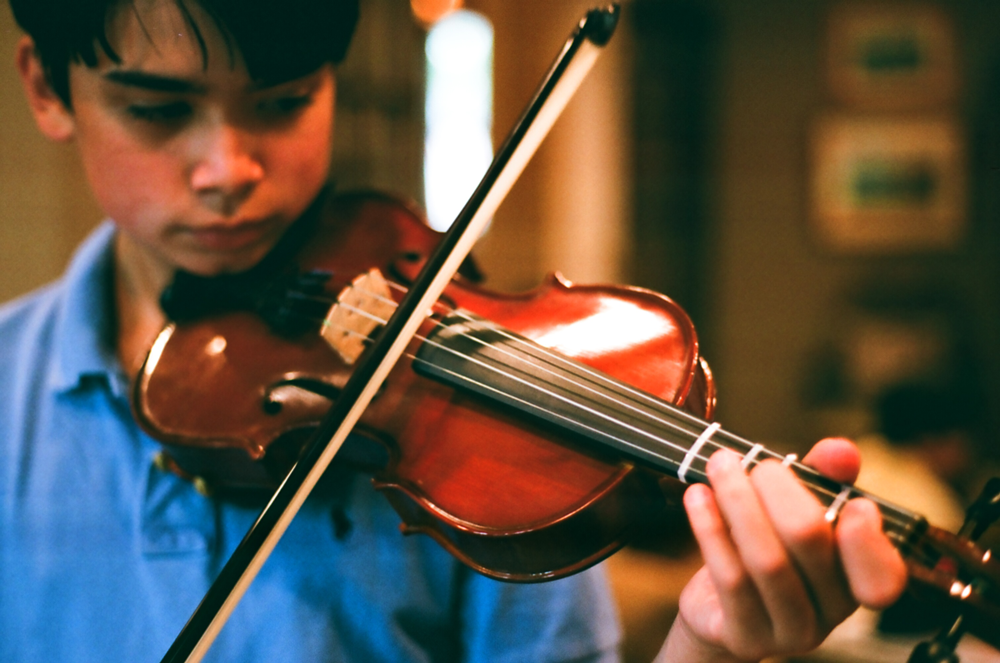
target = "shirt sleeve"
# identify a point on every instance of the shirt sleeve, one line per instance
(567, 620)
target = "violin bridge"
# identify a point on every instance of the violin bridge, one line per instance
(361, 308)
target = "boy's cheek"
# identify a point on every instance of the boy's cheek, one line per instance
(129, 187)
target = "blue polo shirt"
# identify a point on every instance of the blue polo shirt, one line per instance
(103, 557)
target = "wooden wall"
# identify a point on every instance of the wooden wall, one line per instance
(45, 206)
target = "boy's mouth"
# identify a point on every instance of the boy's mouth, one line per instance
(232, 236)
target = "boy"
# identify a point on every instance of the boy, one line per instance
(205, 127)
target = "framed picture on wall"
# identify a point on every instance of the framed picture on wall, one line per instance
(883, 185)
(896, 56)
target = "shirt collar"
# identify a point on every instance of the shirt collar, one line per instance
(85, 323)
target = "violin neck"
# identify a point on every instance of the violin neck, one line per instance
(474, 354)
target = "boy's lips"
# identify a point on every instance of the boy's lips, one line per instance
(231, 236)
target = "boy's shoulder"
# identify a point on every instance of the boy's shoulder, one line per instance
(30, 325)
(28, 309)
(26, 322)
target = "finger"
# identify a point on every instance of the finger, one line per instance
(699, 606)
(800, 522)
(762, 552)
(835, 457)
(742, 617)
(875, 570)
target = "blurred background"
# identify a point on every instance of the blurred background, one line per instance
(817, 183)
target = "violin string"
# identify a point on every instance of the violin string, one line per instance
(556, 357)
(889, 518)
(675, 411)
(661, 440)
(799, 468)
(599, 376)
(503, 350)
(599, 394)
(490, 367)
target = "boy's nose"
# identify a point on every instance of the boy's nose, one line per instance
(226, 173)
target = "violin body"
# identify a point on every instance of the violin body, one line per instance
(514, 497)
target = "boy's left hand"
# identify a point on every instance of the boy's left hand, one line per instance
(778, 577)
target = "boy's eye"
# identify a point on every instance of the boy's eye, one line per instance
(282, 106)
(169, 112)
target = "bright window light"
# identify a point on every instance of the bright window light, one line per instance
(459, 113)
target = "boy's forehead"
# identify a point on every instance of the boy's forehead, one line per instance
(156, 35)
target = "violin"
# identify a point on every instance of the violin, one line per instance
(529, 434)
(496, 391)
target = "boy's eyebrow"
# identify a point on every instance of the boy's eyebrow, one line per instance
(153, 82)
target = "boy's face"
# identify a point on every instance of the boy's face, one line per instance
(200, 168)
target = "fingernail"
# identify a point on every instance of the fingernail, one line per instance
(728, 458)
(724, 460)
(695, 499)
(694, 496)
(867, 509)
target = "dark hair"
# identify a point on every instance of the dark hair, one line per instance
(279, 41)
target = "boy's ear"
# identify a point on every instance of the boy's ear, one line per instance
(53, 118)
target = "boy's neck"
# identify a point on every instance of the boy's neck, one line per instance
(137, 286)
